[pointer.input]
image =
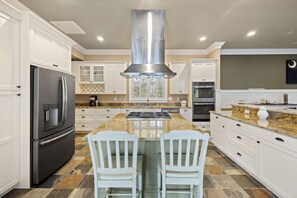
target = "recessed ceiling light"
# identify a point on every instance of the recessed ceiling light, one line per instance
(203, 38)
(251, 33)
(100, 38)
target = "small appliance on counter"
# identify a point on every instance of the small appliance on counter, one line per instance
(183, 103)
(93, 100)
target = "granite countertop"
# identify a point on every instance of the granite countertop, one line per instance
(280, 108)
(130, 106)
(146, 129)
(279, 125)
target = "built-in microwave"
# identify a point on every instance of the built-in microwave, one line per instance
(203, 92)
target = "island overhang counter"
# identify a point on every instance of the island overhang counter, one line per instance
(146, 129)
(148, 132)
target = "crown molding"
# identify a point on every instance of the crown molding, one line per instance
(185, 52)
(264, 51)
(216, 45)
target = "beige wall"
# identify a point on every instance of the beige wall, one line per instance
(255, 71)
(76, 55)
(216, 54)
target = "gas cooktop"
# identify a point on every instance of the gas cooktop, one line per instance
(148, 115)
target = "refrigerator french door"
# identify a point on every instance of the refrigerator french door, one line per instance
(52, 121)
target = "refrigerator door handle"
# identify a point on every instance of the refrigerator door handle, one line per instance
(63, 99)
(55, 138)
(66, 99)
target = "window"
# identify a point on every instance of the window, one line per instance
(148, 90)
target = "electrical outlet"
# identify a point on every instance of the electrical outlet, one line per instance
(115, 99)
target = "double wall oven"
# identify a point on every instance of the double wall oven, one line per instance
(203, 100)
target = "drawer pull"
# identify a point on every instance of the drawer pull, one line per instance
(238, 125)
(82, 110)
(185, 110)
(82, 125)
(217, 117)
(83, 116)
(127, 110)
(279, 139)
(107, 110)
(223, 126)
(239, 154)
(238, 137)
(258, 142)
(107, 116)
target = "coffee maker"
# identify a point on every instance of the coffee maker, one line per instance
(93, 100)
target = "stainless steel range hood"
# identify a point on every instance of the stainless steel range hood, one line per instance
(148, 45)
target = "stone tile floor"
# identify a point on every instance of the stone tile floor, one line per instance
(223, 179)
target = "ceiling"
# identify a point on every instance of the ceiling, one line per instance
(186, 21)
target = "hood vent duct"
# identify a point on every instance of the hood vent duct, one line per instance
(148, 45)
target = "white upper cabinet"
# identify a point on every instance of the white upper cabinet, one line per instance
(204, 71)
(114, 82)
(62, 55)
(180, 83)
(49, 51)
(9, 53)
(99, 77)
(91, 73)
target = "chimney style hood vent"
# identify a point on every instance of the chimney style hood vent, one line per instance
(148, 45)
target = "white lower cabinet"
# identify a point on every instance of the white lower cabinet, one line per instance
(269, 156)
(9, 139)
(85, 119)
(278, 168)
(217, 135)
(186, 113)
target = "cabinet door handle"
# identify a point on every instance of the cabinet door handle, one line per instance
(238, 137)
(223, 126)
(238, 125)
(217, 117)
(19, 86)
(114, 91)
(55, 65)
(180, 91)
(185, 110)
(258, 142)
(82, 125)
(107, 110)
(82, 110)
(83, 116)
(127, 110)
(107, 116)
(279, 139)
(238, 154)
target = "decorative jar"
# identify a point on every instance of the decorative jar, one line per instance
(262, 113)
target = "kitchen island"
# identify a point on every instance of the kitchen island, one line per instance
(267, 149)
(148, 132)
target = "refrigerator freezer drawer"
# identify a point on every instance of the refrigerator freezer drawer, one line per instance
(48, 156)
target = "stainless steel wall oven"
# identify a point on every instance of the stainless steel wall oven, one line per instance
(203, 100)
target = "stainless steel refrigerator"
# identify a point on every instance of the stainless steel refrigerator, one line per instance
(52, 121)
